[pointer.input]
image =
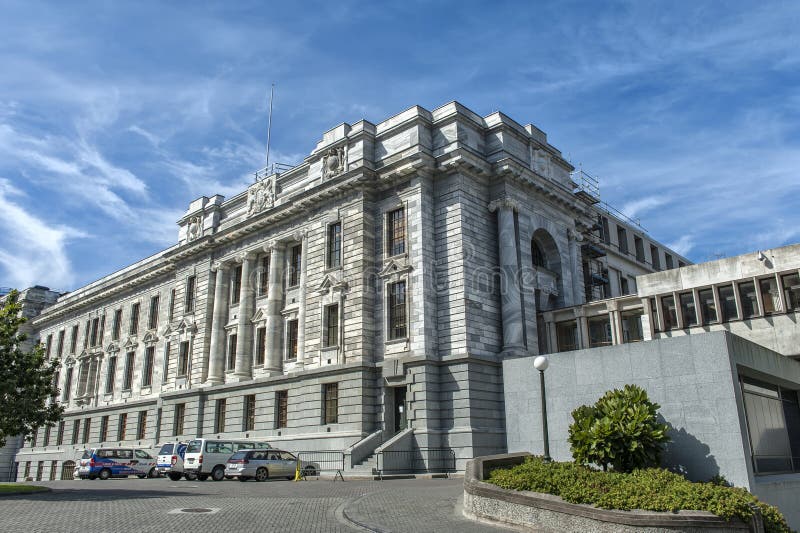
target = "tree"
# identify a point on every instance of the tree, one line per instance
(26, 378)
(621, 430)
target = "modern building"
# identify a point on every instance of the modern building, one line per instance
(359, 299)
(721, 355)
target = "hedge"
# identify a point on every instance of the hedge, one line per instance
(651, 489)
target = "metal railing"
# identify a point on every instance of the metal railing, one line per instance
(417, 461)
(316, 462)
(776, 464)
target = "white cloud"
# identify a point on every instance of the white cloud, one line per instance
(635, 208)
(683, 245)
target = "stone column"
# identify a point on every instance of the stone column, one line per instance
(244, 329)
(274, 325)
(219, 316)
(614, 322)
(509, 275)
(301, 312)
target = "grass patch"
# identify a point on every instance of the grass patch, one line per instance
(652, 490)
(18, 488)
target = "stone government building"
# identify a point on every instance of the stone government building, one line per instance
(369, 294)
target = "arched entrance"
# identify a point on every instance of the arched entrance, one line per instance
(546, 261)
(67, 470)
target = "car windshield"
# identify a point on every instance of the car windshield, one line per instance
(239, 455)
(86, 454)
(166, 449)
(195, 446)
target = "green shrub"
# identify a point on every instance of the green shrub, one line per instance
(620, 430)
(651, 489)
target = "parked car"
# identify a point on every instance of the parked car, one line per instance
(105, 463)
(264, 464)
(170, 460)
(207, 457)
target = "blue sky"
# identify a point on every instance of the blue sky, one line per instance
(115, 115)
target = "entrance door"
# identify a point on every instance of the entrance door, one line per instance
(399, 409)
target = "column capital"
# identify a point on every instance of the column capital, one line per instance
(274, 244)
(502, 203)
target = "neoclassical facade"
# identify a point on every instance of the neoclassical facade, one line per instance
(372, 290)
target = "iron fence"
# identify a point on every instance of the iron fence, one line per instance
(316, 462)
(416, 461)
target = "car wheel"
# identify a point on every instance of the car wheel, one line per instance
(202, 477)
(153, 473)
(309, 471)
(174, 476)
(218, 474)
(262, 474)
(243, 478)
(228, 477)
(190, 477)
(92, 477)
(105, 474)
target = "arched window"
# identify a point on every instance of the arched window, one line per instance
(538, 255)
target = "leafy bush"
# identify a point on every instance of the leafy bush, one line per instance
(620, 430)
(651, 489)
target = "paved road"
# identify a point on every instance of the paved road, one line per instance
(412, 505)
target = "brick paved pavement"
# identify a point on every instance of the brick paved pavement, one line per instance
(316, 505)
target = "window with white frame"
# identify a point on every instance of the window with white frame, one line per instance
(396, 304)
(330, 334)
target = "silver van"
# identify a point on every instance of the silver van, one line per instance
(207, 457)
(264, 464)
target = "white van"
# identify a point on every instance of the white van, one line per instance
(208, 457)
(170, 460)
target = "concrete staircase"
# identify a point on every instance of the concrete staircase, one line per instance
(366, 468)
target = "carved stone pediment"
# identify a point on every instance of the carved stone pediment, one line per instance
(261, 195)
(259, 316)
(70, 361)
(394, 267)
(331, 283)
(112, 347)
(150, 338)
(185, 326)
(334, 162)
(130, 344)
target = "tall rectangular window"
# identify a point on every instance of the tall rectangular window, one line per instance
(668, 261)
(291, 340)
(396, 232)
(295, 264)
(638, 245)
(104, 429)
(770, 295)
(334, 245)
(171, 311)
(102, 329)
(263, 276)
(604, 227)
(165, 370)
(249, 415)
(115, 327)
(331, 331)
(282, 409)
(56, 383)
(111, 374)
(87, 428)
(67, 385)
(177, 424)
(152, 319)
(670, 312)
(791, 291)
(330, 400)
(48, 345)
(60, 350)
(73, 339)
(95, 332)
(76, 431)
(231, 352)
(219, 416)
(688, 309)
(622, 239)
(727, 303)
(654, 256)
(708, 308)
(133, 326)
(236, 284)
(397, 310)
(261, 345)
(191, 289)
(183, 359)
(142, 425)
(147, 370)
(86, 329)
(122, 426)
(53, 468)
(748, 298)
(60, 433)
(47, 429)
(127, 380)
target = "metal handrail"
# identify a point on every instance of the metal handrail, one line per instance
(324, 461)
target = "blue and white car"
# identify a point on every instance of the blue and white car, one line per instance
(105, 463)
(170, 460)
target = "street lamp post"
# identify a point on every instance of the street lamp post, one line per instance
(541, 363)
